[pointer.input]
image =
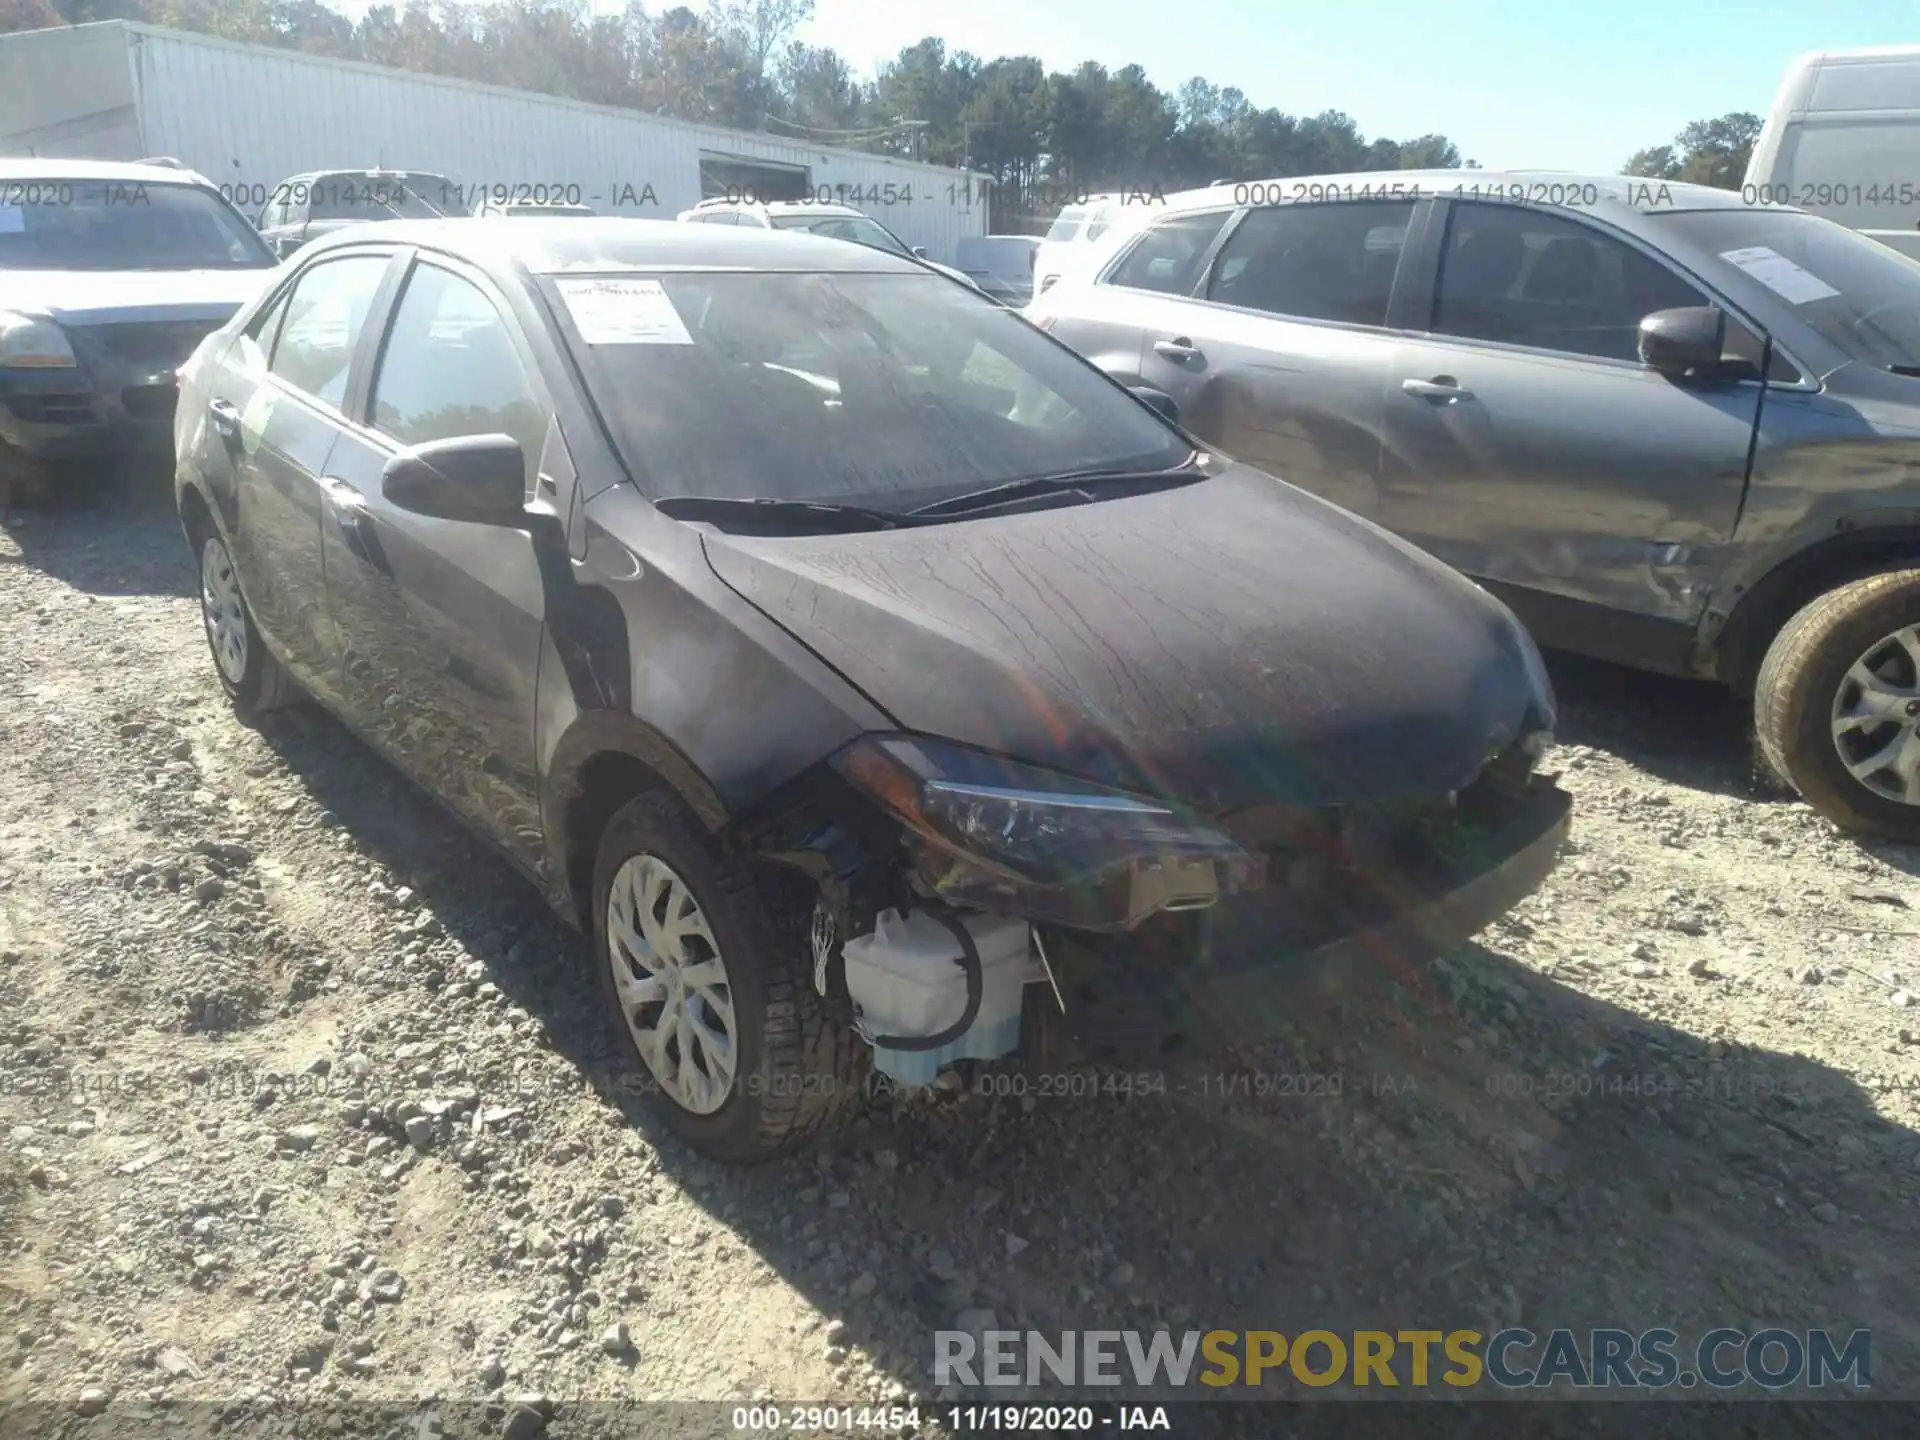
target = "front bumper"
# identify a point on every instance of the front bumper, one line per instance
(119, 399)
(1233, 973)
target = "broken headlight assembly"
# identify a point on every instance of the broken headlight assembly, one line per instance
(986, 831)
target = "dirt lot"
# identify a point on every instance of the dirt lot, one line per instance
(304, 1096)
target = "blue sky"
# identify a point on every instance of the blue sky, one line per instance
(1514, 82)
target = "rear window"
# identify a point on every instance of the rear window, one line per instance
(364, 197)
(1067, 224)
(1857, 294)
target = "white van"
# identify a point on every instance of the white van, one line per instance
(1843, 140)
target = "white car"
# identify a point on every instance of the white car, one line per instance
(836, 222)
(1075, 231)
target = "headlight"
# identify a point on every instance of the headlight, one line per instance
(31, 342)
(1020, 824)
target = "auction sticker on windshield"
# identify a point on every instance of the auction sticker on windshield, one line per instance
(13, 220)
(623, 312)
(1780, 275)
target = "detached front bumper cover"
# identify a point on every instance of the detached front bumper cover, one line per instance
(987, 831)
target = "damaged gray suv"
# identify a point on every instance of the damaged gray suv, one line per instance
(731, 583)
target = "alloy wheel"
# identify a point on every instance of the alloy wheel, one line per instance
(1876, 717)
(672, 984)
(223, 611)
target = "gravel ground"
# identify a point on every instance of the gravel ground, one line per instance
(304, 1096)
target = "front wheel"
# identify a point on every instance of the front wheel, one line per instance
(710, 993)
(252, 678)
(1837, 705)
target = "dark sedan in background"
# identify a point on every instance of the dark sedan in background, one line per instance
(743, 587)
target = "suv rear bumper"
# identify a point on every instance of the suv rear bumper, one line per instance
(1129, 996)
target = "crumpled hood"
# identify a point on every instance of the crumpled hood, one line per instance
(99, 297)
(1231, 642)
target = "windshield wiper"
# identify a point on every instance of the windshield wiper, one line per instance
(1085, 482)
(728, 507)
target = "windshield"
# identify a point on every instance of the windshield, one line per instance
(375, 197)
(857, 228)
(883, 390)
(123, 225)
(1858, 294)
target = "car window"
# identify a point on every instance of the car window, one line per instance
(449, 368)
(1526, 277)
(877, 388)
(1097, 224)
(1067, 224)
(256, 341)
(368, 197)
(1167, 258)
(858, 229)
(1315, 261)
(325, 315)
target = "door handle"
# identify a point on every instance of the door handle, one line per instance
(350, 510)
(1441, 387)
(1178, 350)
(226, 418)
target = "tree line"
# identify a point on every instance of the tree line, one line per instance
(1707, 152)
(737, 63)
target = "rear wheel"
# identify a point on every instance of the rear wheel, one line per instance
(252, 678)
(709, 985)
(1837, 705)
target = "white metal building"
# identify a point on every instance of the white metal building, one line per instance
(249, 116)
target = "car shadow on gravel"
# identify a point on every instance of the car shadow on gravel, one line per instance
(1462, 1143)
(106, 530)
(1690, 732)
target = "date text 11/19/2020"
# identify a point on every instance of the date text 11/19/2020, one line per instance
(772, 1419)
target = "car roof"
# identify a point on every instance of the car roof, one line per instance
(12, 168)
(1538, 186)
(548, 245)
(366, 173)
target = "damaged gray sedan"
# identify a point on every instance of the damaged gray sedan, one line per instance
(867, 673)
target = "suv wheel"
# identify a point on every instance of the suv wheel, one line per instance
(252, 678)
(1837, 705)
(710, 986)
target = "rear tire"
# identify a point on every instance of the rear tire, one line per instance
(254, 681)
(1837, 705)
(669, 902)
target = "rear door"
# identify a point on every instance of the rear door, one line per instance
(275, 411)
(1527, 445)
(1150, 288)
(1283, 360)
(441, 620)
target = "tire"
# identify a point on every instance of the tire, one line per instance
(253, 679)
(1800, 686)
(794, 1070)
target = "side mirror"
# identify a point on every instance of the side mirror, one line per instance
(919, 252)
(1685, 343)
(1162, 403)
(479, 479)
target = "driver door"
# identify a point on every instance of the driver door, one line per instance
(1525, 443)
(441, 620)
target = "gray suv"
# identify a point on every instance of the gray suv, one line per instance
(1669, 429)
